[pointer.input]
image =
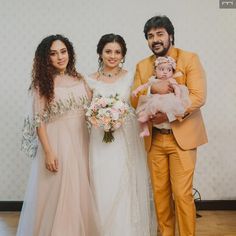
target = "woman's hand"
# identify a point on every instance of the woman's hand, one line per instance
(51, 162)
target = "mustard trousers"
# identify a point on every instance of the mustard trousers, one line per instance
(171, 170)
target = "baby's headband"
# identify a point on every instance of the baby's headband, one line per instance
(165, 59)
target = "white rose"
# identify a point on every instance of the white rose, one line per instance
(115, 115)
(118, 105)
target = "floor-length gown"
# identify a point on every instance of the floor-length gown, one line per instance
(119, 171)
(61, 203)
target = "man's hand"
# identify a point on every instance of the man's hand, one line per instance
(159, 118)
(162, 87)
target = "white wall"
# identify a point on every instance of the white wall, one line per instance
(200, 26)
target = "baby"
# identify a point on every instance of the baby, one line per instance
(174, 103)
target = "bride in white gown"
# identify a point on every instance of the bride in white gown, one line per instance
(118, 169)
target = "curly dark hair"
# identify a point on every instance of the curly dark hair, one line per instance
(110, 38)
(43, 72)
(160, 22)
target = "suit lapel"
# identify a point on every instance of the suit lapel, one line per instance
(174, 53)
(148, 68)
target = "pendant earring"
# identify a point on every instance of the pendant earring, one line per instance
(122, 63)
(100, 64)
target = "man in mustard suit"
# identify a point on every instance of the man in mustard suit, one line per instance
(172, 151)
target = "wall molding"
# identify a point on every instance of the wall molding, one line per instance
(216, 205)
(11, 205)
(207, 205)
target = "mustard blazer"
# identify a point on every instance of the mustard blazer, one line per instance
(189, 131)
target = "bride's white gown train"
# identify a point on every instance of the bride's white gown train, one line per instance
(119, 172)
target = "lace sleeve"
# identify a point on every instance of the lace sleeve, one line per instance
(91, 83)
(38, 108)
(29, 142)
(88, 90)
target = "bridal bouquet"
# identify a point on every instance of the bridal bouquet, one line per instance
(108, 113)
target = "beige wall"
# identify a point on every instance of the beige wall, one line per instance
(200, 26)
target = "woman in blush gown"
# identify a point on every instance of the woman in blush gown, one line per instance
(118, 169)
(58, 199)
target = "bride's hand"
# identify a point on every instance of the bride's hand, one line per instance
(51, 162)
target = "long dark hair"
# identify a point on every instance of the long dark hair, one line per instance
(43, 72)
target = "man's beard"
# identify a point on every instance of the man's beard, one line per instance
(164, 51)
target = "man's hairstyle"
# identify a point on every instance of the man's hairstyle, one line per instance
(160, 22)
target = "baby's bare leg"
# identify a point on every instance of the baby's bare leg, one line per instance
(145, 130)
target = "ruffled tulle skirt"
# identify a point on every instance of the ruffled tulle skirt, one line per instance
(165, 103)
